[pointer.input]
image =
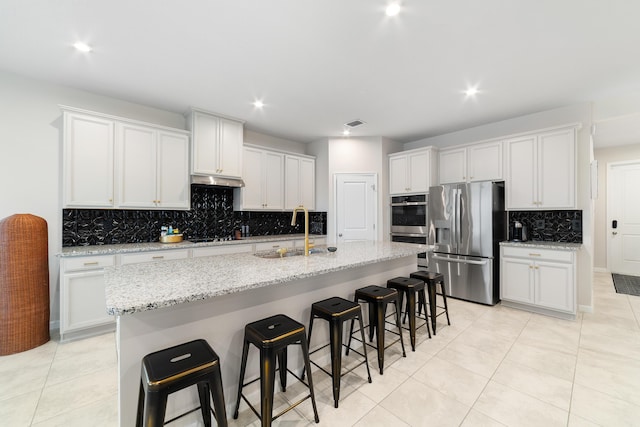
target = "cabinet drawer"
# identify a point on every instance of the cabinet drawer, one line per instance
(538, 253)
(88, 263)
(153, 256)
(265, 246)
(221, 250)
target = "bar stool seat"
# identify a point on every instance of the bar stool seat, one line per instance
(336, 311)
(410, 287)
(378, 297)
(432, 279)
(175, 368)
(272, 336)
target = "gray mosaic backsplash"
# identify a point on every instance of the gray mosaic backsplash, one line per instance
(211, 216)
(550, 226)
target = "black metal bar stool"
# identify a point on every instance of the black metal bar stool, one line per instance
(432, 279)
(378, 297)
(410, 287)
(336, 311)
(175, 368)
(272, 336)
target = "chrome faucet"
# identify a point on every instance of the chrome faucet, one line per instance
(307, 246)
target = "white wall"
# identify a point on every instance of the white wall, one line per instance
(31, 143)
(320, 149)
(579, 113)
(354, 155)
(256, 138)
(605, 156)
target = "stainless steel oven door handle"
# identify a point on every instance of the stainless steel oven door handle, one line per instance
(459, 261)
(408, 235)
(409, 204)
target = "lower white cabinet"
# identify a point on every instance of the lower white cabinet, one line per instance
(221, 250)
(153, 256)
(541, 280)
(83, 308)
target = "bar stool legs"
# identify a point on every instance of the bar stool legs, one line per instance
(431, 280)
(336, 311)
(409, 287)
(272, 336)
(378, 297)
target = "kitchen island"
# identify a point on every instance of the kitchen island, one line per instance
(162, 304)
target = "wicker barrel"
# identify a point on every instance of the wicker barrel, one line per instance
(24, 283)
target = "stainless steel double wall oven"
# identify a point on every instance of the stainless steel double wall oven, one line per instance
(410, 222)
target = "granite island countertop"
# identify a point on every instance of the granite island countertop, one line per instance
(544, 245)
(148, 286)
(72, 251)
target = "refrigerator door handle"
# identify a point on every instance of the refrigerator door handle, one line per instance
(458, 220)
(459, 261)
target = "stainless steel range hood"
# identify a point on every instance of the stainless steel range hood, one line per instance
(216, 181)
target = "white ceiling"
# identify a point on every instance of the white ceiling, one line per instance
(317, 64)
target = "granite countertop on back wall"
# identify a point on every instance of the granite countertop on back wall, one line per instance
(149, 286)
(157, 246)
(544, 245)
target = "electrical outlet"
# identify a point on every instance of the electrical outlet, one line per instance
(576, 225)
(540, 224)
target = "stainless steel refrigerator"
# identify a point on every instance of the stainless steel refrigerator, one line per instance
(466, 224)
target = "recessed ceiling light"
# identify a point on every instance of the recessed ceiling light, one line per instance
(82, 47)
(471, 91)
(392, 9)
(258, 104)
(346, 132)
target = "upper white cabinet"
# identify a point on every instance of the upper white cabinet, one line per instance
(112, 162)
(153, 168)
(541, 170)
(263, 177)
(412, 171)
(300, 185)
(477, 162)
(217, 144)
(88, 161)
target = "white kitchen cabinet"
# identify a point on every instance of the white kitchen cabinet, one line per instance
(263, 177)
(412, 171)
(152, 168)
(83, 309)
(266, 246)
(540, 280)
(477, 162)
(300, 187)
(541, 170)
(217, 145)
(153, 256)
(88, 155)
(221, 250)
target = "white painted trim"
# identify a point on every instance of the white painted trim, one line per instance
(600, 270)
(585, 308)
(123, 119)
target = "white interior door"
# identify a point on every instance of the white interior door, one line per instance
(623, 217)
(356, 207)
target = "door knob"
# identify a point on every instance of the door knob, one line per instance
(340, 235)
(614, 232)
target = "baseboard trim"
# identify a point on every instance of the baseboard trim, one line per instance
(585, 308)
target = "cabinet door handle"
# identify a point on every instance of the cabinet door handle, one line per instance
(158, 257)
(534, 255)
(91, 263)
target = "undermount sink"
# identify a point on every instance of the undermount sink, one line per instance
(275, 254)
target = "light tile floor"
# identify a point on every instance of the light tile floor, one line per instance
(494, 366)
